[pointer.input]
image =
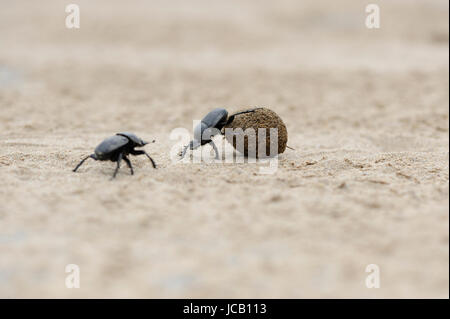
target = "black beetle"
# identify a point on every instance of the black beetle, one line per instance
(116, 148)
(216, 119)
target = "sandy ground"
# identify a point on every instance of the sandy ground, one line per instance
(366, 111)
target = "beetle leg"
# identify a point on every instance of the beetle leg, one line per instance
(84, 159)
(129, 164)
(151, 159)
(231, 117)
(194, 144)
(119, 159)
(140, 152)
(183, 152)
(215, 149)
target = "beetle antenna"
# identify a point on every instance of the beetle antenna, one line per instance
(145, 143)
(290, 148)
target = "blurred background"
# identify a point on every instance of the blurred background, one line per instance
(366, 111)
(168, 54)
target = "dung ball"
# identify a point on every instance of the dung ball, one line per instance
(260, 119)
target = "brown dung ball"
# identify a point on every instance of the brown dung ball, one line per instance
(261, 118)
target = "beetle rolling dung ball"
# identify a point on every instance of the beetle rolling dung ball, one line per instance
(261, 118)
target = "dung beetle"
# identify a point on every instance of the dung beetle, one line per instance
(116, 148)
(216, 119)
